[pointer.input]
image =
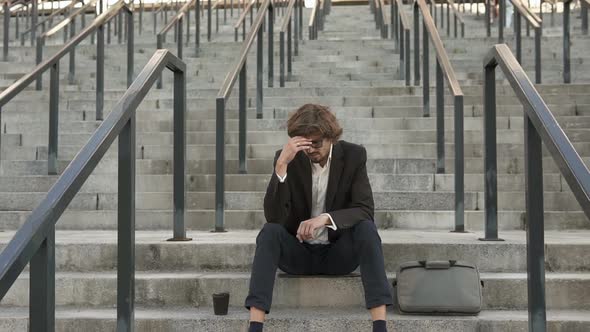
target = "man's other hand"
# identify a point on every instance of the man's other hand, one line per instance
(308, 227)
(294, 145)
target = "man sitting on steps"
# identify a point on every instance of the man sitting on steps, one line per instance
(319, 212)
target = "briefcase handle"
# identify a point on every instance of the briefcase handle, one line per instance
(437, 264)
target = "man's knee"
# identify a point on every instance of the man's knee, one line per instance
(366, 230)
(270, 231)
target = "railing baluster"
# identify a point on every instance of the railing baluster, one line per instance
(440, 120)
(566, 42)
(99, 72)
(425, 69)
(416, 46)
(459, 167)
(220, 165)
(53, 119)
(126, 228)
(259, 74)
(243, 118)
(72, 71)
(490, 157)
(535, 227)
(270, 46)
(5, 32)
(42, 286)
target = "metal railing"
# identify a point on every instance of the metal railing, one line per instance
(177, 22)
(163, 11)
(242, 20)
(521, 12)
(71, 22)
(52, 64)
(379, 12)
(292, 35)
(553, 5)
(240, 69)
(566, 35)
(457, 18)
(540, 127)
(47, 20)
(34, 242)
(444, 71)
(7, 12)
(317, 17)
(401, 35)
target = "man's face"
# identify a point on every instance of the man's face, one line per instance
(319, 150)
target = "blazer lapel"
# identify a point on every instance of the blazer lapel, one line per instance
(336, 166)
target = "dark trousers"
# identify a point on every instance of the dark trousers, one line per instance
(360, 245)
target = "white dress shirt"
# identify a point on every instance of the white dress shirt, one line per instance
(319, 186)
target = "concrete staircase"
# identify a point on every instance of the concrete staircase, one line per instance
(354, 72)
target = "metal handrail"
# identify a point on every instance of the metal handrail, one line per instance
(240, 68)
(114, 10)
(52, 64)
(444, 71)
(401, 35)
(34, 242)
(519, 12)
(553, 4)
(313, 21)
(456, 17)
(383, 19)
(585, 4)
(241, 20)
(287, 27)
(540, 127)
(48, 19)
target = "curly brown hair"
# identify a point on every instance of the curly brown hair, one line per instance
(314, 120)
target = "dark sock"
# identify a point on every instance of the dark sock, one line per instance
(379, 326)
(255, 327)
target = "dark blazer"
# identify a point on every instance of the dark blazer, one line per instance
(349, 198)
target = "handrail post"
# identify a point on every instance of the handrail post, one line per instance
(300, 19)
(503, 20)
(179, 164)
(42, 286)
(408, 57)
(38, 59)
(538, 54)
(416, 45)
(209, 20)
(402, 53)
(425, 69)
(296, 28)
(198, 27)
(440, 120)
(282, 58)
(488, 17)
(490, 156)
(220, 165)
(289, 54)
(53, 119)
(243, 118)
(99, 72)
(566, 42)
(126, 228)
(270, 45)
(517, 32)
(159, 46)
(5, 32)
(259, 73)
(449, 21)
(180, 37)
(584, 15)
(141, 9)
(71, 73)
(34, 15)
(535, 227)
(459, 167)
(130, 48)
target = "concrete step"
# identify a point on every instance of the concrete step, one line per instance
(290, 319)
(204, 220)
(501, 291)
(80, 251)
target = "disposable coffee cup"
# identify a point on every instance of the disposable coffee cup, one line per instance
(220, 303)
